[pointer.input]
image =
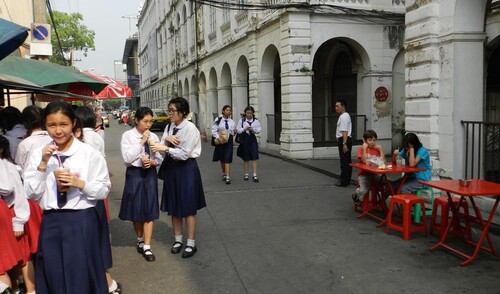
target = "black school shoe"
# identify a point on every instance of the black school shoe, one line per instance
(148, 257)
(118, 289)
(176, 249)
(188, 254)
(140, 247)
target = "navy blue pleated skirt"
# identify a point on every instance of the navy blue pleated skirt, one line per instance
(105, 242)
(224, 152)
(140, 195)
(69, 258)
(248, 149)
(182, 188)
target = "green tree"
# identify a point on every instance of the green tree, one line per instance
(73, 36)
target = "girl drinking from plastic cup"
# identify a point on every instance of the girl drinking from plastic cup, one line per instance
(140, 194)
(68, 258)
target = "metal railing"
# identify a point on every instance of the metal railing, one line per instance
(324, 127)
(482, 150)
(273, 128)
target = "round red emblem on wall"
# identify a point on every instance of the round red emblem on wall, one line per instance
(381, 94)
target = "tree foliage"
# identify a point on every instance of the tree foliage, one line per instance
(73, 36)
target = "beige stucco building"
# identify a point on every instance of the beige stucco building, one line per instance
(437, 60)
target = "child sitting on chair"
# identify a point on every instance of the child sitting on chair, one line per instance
(369, 148)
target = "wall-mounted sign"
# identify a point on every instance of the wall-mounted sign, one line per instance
(40, 33)
(40, 39)
(381, 94)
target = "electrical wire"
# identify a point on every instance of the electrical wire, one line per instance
(54, 26)
(303, 5)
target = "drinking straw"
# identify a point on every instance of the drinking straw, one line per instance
(58, 156)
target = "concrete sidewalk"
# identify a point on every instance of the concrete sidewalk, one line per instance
(293, 232)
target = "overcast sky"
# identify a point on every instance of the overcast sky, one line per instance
(113, 21)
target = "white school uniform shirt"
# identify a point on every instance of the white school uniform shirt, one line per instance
(254, 123)
(344, 124)
(91, 137)
(132, 149)
(189, 135)
(82, 160)
(222, 126)
(12, 191)
(26, 147)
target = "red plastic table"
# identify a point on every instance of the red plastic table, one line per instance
(366, 210)
(475, 188)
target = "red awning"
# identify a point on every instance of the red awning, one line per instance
(113, 90)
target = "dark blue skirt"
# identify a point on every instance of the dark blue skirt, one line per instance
(140, 195)
(248, 148)
(224, 152)
(182, 188)
(105, 242)
(69, 258)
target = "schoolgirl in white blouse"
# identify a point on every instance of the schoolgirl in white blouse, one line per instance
(32, 120)
(248, 150)
(68, 258)
(140, 194)
(224, 152)
(183, 193)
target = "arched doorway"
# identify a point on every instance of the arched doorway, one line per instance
(270, 95)
(335, 69)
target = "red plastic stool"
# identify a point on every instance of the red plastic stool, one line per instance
(406, 202)
(456, 228)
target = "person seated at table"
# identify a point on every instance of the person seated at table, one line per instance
(369, 147)
(415, 155)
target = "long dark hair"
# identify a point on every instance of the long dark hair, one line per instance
(411, 138)
(86, 116)
(247, 109)
(32, 118)
(5, 149)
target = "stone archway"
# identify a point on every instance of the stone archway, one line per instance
(338, 68)
(224, 89)
(204, 116)
(213, 107)
(193, 100)
(270, 96)
(240, 86)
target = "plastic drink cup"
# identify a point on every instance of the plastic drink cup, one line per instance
(57, 173)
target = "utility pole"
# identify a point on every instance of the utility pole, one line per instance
(40, 16)
(39, 11)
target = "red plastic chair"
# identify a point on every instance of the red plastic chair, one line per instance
(406, 203)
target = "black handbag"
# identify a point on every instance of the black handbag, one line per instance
(238, 137)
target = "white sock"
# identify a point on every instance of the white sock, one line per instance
(113, 286)
(147, 247)
(190, 242)
(3, 286)
(254, 174)
(34, 292)
(178, 238)
(140, 239)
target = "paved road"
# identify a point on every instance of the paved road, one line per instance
(294, 232)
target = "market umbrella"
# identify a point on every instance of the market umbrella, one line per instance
(11, 37)
(113, 90)
(50, 75)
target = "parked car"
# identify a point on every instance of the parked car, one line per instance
(105, 119)
(160, 120)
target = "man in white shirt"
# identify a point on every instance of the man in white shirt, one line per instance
(343, 134)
